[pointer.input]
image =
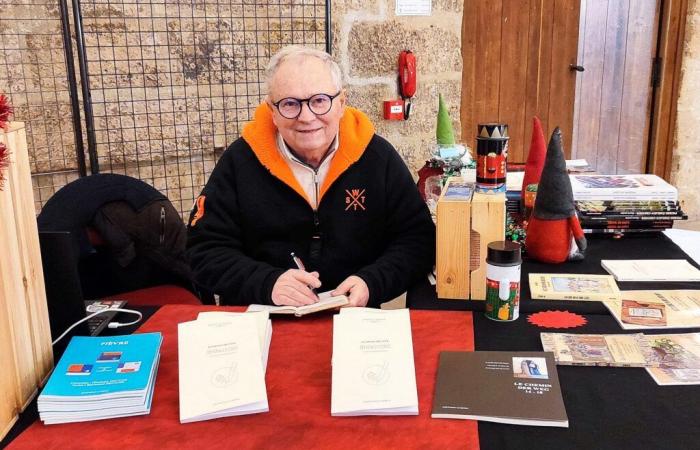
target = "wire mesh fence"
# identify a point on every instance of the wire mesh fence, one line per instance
(33, 75)
(171, 83)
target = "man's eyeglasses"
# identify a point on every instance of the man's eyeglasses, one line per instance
(318, 104)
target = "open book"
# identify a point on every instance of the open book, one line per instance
(326, 301)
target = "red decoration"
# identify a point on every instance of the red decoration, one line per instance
(4, 162)
(5, 111)
(556, 319)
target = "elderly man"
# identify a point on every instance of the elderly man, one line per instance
(310, 177)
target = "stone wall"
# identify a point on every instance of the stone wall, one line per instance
(172, 82)
(686, 152)
(367, 39)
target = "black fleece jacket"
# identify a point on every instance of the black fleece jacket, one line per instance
(371, 221)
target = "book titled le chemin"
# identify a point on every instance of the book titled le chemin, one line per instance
(519, 388)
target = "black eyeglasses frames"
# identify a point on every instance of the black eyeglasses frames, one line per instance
(319, 104)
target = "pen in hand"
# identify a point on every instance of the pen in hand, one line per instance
(300, 266)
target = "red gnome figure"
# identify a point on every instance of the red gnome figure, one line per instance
(554, 234)
(533, 168)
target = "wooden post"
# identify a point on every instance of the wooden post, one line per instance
(26, 355)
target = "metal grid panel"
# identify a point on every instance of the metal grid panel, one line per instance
(33, 75)
(172, 83)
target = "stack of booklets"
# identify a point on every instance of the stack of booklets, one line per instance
(372, 365)
(222, 358)
(519, 388)
(625, 203)
(670, 359)
(102, 378)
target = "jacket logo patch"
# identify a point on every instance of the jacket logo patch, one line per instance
(355, 199)
(199, 204)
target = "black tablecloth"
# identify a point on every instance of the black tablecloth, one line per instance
(640, 246)
(608, 408)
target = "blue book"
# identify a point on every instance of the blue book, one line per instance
(94, 369)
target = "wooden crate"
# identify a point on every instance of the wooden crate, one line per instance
(26, 355)
(465, 226)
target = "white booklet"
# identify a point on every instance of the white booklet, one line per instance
(325, 301)
(263, 326)
(651, 269)
(372, 365)
(220, 366)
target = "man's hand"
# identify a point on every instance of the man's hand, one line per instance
(292, 288)
(355, 288)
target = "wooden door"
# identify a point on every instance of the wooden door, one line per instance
(517, 56)
(617, 44)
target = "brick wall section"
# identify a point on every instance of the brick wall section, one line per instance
(686, 152)
(367, 39)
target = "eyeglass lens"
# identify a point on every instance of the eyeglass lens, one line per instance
(318, 104)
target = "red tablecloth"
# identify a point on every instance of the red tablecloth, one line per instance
(166, 294)
(299, 393)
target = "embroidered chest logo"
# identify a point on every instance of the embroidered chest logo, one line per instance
(355, 199)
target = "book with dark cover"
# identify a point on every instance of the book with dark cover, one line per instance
(519, 388)
(625, 224)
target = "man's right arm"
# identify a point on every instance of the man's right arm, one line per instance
(215, 247)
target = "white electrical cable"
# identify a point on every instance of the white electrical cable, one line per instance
(110, 325)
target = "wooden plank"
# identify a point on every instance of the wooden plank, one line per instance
(664, 121)
(545, 65)
(579, 77)
(513, 75)
(30, 254)
(452, 246)
(488, 61)
(613, 79)
(9, 390)
(562, 81)
(467, 113)
(488, 223)
(636, 95)
(13, 293)
(532, 91)
(589, 88)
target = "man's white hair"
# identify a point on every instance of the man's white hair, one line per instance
(298, 52)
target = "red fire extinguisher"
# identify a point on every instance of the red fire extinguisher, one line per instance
(400, 109)
(407, 79)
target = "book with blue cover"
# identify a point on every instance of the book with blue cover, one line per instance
(102, 377)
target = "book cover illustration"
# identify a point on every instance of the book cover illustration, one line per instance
(519, 388)
(675, 351)
(613, 181)
(581, 284)
(107, 366)
(678, 356)
(643, 313)
(618, 350)
(545, 286)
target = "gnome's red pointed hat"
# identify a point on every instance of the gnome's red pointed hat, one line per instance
(554, 222)
(536, 155)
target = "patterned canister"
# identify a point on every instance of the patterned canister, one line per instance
(492, 152)
(503, 281)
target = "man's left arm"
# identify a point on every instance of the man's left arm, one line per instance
(410, 250)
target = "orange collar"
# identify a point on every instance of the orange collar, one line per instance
(354, 134)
